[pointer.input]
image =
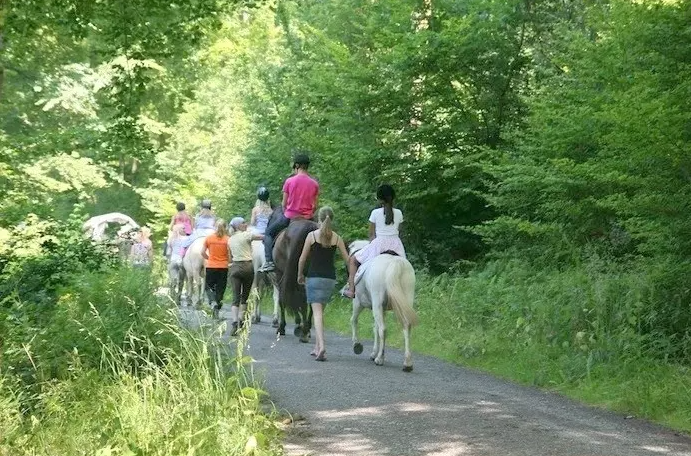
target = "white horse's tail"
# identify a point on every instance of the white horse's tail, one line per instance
(400, 290)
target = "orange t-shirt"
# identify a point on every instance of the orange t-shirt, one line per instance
(218, 251)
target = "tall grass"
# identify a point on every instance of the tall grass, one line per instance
(602, 333)
(114, 373)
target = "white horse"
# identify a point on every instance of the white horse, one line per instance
(176, 272)
(193, 264)
(386, 282)
(259, 284)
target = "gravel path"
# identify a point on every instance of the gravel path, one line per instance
(349, 406)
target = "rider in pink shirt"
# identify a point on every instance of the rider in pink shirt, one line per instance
(300, 195)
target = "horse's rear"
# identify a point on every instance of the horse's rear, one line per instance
(193, 263)
(287, 251)
(387, 283)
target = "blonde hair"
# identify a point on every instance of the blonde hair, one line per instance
(264, 206)
(177, 232)
(325, 217)
(221, 228)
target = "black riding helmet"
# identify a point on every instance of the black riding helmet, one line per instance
(263, 193)
(206, 204)
(180, 206)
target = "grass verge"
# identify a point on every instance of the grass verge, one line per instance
(110, 371)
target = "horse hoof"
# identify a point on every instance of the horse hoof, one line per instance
(274, 323)
(305, 339)
(297, 331)
(407, 368)
(379, 362)
(257, 319)
(357, 348)
(281, 332)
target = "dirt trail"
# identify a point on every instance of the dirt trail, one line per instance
(349, 406)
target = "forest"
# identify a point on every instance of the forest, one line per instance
(540, 151)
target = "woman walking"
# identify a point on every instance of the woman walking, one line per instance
(320, 250)
(216, 253)
(241, 269)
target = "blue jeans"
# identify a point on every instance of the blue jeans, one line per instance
(279, 222)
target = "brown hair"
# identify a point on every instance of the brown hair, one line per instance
(325, 217)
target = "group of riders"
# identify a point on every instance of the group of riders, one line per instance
(227, 248)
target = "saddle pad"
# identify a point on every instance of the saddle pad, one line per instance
(361, 271)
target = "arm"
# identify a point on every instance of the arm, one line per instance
(285, 200)
(303, 259)
(344, 251)
(257, 237)
(253, 217)
(372, 231)
(172, 223)
(204, 254)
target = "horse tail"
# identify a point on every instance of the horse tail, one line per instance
(400, 290)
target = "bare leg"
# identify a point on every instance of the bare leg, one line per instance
(353, 265)
(319, 346)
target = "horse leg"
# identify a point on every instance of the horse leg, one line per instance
(277, 307)
(408, 357)
(379, 332)
(357, 346)
(306, 324)
(282, 321)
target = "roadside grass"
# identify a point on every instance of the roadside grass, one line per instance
(114, 373)
(578, 332)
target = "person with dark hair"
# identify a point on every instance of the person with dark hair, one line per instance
(384, 223)
(300, 195)
(181, 218)
(261, 212)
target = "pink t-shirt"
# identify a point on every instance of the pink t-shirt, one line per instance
(302, 193)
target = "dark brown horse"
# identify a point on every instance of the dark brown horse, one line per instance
(292, 296)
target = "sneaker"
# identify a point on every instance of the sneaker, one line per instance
(267, 267)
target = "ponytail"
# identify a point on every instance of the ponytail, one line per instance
(388, 212)
(221, 229)
(326, 215)
(386, 194)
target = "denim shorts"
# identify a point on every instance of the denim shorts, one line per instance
(319, 289)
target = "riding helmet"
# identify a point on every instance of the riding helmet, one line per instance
(206, 204)
(263, 194)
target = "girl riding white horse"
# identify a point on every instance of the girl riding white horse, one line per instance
(261, 213)
(385, 282)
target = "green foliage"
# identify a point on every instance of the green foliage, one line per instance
(112, 372)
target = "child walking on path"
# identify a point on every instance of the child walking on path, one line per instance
(320, 249)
